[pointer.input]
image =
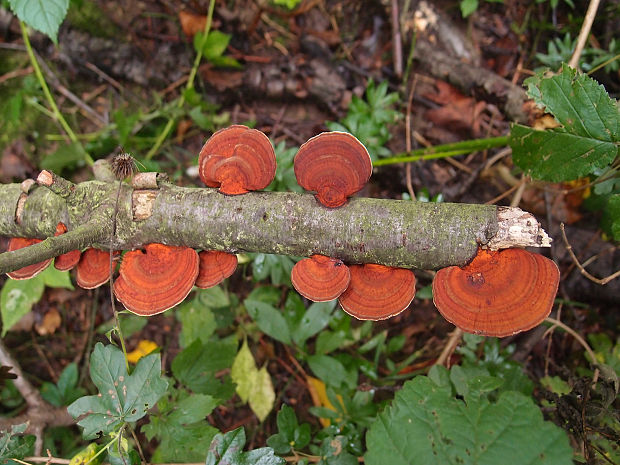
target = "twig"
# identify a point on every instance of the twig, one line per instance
(584, 33)
(448, 349)
(583, 271)
(397, 45)
(576, 335)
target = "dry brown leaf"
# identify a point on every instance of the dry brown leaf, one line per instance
(191, 23)
(51, 322)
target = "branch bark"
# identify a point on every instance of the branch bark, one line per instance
(390, 232)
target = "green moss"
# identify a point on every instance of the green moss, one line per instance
(86, 16)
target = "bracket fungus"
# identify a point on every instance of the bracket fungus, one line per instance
(237, 159)
(66, 261)
(214, 267)
(335, 165)
(29, 271)
(156, 279)
(320, 278)
(499, 293)
(377, 292)
(93, 269)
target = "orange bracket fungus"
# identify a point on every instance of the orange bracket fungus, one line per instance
(320, 278)
(237, 159)
(29, 271)
(93, 269)
(214, 267)
(499, 293)
(335, 165)
(156, 279)
(377, 292)
(68, 260)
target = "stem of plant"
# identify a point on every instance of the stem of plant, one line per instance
(117, 322)
(48, 94)
(444, 151)
(190, 84)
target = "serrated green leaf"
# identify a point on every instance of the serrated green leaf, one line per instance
(227, 449)
(555, 155)
(17, 298)
(182, 431)
(122, 397)
(580, 104)
(43, 15)
(426, 425)
(14, 445)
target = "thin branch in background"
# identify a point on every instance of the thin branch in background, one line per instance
(577, 336)
(584, 33)
(583, 271)
(408, 136)
(448, 350)
(397, 45)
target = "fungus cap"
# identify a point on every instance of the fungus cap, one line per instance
(335, 165)
(499, 293)
(214, 267)
(237, 159)
(156, 279)
(320, 278)
(93, 269)
(377, 292)
(29, 271)
(66, 261)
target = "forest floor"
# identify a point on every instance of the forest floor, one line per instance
(118, 65)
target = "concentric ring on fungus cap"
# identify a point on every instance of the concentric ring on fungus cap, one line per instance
(156, 279)
(377, 292)
(335, 165)
(237, 159)
(499, 293)
(320, 278)
(29, 271)
(214, 267)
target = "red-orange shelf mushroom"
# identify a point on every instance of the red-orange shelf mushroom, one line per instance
(237, 159)
(499, 293)
(335, 165)
(377, 292)
(93, 269)
(29, 271)
(320, 278)
(214, 267)
(156, 279)
(66, 261)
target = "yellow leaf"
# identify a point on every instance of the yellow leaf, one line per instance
(263, 395)
(243, 371)
(87, 455)
(317, 390)
(144, 348)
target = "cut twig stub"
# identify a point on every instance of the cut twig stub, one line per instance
(517, 228)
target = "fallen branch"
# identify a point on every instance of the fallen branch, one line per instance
(389, 232)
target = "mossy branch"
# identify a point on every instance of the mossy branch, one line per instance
(390, 232)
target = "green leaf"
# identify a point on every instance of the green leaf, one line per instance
(122, 397)
(269, 320)
(65, 391)
(214, 46)
(197, 322)
(65, 156)
(196, 365)
(181, 428)
(227, 449)
(17, 298)
(43, 15)
(328, 369)
(315, 319)
(612, 215)
(13, 445)
(587, 140)
(555, 155)
(426, 425)
(54, 278)
(468, 7)
(253, 386)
